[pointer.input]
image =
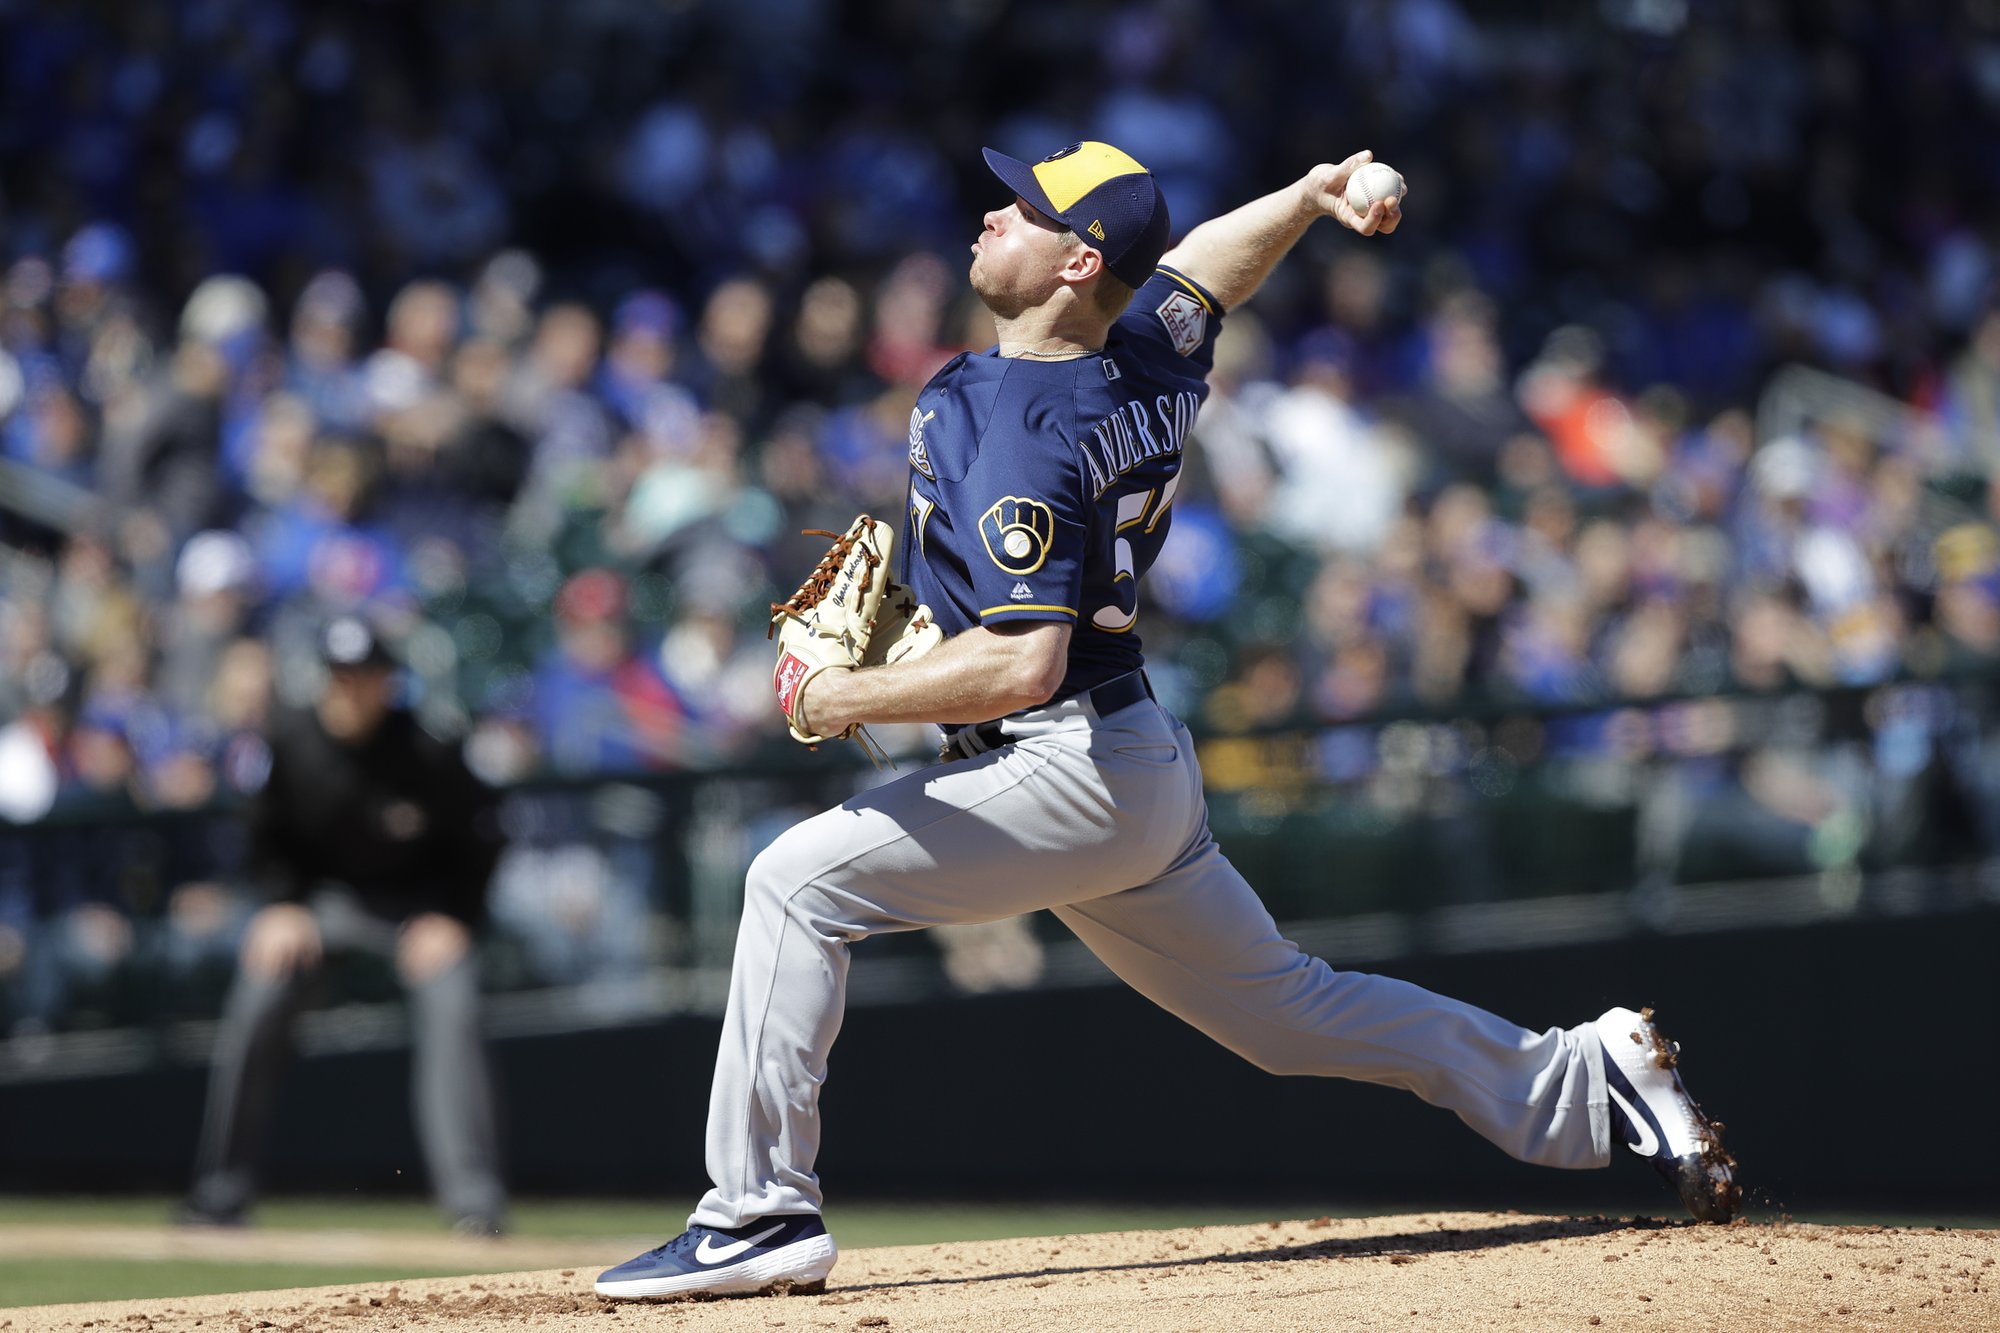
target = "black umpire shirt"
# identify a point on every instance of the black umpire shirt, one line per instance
(398, 819)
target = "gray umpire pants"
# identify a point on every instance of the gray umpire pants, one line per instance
(450, 1087)
(1104, 822)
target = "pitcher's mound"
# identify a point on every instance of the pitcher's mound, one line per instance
(1444, 1270)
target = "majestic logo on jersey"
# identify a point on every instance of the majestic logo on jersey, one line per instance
(1186, 320)
(1022, 592)
(1017, 532)
(919, 458)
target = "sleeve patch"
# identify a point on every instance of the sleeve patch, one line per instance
(1017, 532)
(1186, 321)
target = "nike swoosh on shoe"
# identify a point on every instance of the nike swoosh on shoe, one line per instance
(1649, 1142)
(720, 1254)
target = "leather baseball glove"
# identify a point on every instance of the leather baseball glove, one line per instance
(848, 613)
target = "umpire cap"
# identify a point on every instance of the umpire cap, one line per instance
(349, 641)
(1101, 194)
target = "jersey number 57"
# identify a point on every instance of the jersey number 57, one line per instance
(1135, 511)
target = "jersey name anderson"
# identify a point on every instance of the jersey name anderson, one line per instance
(1133, 435)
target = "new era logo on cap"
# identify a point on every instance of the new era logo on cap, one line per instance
(1100, 191)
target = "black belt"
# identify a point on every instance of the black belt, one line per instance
(1118, 693)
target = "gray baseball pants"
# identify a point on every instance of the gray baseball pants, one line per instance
(1102, 821)
(449, 1084)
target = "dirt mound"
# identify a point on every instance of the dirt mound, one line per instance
(1451, 1270)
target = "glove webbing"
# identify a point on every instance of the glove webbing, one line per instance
(820, 582)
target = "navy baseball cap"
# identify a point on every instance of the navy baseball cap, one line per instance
(1102, 195)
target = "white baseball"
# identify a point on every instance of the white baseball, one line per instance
(1015, 543)
(1372, 181)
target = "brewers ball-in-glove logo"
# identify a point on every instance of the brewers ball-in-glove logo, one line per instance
(1017, 532)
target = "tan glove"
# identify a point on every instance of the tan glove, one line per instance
(903, 628)
(846, 614)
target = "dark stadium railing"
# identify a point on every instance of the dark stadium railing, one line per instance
(1499, 824)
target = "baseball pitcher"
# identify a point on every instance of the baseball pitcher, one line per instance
(1004, 605)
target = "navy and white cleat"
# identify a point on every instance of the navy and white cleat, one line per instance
(791, 1253)
(1652, 1111)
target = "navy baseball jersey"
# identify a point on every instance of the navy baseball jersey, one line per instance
(1043, 490)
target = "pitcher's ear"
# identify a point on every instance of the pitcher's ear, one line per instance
(1083, 265)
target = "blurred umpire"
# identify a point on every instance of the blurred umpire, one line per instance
(370, 837)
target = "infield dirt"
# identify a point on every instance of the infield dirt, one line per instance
(1438, 1270)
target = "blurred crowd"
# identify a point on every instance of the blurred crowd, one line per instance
(541, 335)
(537, 333)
